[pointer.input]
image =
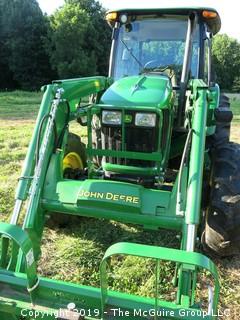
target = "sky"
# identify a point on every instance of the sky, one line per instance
(228, 9)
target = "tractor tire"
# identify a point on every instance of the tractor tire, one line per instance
(223, 116)
(74, 144)
(222, 222)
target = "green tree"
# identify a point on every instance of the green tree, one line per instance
(236, 84)
(23, 28)
(80, 39)
(100, 33)
(6, 76)
(226, 60)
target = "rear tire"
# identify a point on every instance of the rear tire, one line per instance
(222, 229)
(223, 116)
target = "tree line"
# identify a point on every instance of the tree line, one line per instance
(75, 42)
(36, 48)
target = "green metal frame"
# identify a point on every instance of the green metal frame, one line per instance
(151, 208)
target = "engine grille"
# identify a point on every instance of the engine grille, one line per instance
(137, 139)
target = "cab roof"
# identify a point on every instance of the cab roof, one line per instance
(214, 22)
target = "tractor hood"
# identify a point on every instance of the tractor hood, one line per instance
(144, 90)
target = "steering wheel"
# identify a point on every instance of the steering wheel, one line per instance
(148, 64)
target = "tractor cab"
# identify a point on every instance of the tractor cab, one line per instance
(154, 55)
(160, 39)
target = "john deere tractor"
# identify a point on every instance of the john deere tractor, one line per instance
(157, 155)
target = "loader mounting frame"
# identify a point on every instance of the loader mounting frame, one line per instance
(23, 294)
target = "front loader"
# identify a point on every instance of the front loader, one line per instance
(157, 155)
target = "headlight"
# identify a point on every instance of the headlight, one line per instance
(112, 117)
(145, 119)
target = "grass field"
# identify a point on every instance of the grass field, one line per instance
(76, 252)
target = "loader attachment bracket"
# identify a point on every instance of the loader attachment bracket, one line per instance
(190, 261)
(21, 239)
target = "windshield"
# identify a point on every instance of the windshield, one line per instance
(153, 44)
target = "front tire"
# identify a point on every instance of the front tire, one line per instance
(74, 144)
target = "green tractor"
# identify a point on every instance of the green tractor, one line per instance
(157, 155)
